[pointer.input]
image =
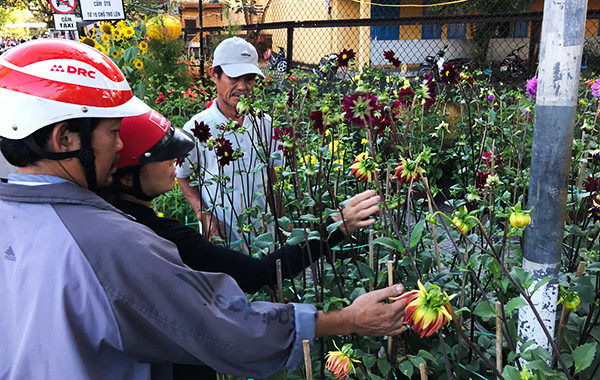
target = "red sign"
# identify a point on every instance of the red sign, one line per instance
(63, 6)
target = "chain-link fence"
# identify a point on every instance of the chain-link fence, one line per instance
(486, 34)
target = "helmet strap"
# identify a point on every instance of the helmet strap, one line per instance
(86, 154)
(136, 190)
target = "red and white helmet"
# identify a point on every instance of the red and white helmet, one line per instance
(51, 80)
(151, 138)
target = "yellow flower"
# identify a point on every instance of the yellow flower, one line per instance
(143, 45)
(138, 64)
(117, 35)
(128, 32)
(519, 219)
(161, 215)
(105, 38)
(121, 25)
(115, 54)
(427, 310)
(570, 298)
(364, 141)
(107, 28)
(103, 49)
(89, 41)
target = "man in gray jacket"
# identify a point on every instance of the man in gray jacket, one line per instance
(87, 293)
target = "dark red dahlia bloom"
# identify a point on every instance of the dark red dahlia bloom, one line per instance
(201, 131)
(317, 118)
(344, 57)
(488, 157)
(223, 150)
(429, 86)
(360, 108)
(381, 123)
(449, 73)
(592, 184)
(161, 99)
(179, 162)
(391, 58)
(480, 179)
(406, 96)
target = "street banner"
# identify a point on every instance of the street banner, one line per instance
(64, 22)
(102, 10)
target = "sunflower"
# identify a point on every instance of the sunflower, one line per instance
(115, 53)
(117, 34)
(103, 49)
(107, 28)
(143, 45)
(105, 38)
(128, 32)
(121, 25)
(138, 64)
(89, 41)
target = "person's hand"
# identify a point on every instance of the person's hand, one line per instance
(357, 212)
(370, 316)
(212, 228)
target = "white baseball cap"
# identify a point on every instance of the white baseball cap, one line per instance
(237, 57)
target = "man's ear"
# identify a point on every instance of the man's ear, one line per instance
(63, 140)
(212, 74)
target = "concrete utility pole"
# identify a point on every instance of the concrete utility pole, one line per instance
(563, 29)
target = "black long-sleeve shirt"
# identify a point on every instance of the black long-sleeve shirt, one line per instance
(250, 273)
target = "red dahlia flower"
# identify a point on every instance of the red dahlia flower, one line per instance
(344, 57)
(408, 171)
(449, 73)
(160, 99)
(391, 57)
(364, 167)
(427, 310)
(201, 131)
(406, 96)
(223, 150)
(339, 362)
(360, 108)
(317, 118)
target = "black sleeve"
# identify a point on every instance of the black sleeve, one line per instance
(250, 273)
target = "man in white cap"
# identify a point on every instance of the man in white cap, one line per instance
(228, 185)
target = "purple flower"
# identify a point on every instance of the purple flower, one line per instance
(491, 98)
(596, 88)
(531, 87)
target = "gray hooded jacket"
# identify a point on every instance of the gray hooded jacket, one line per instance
(87, 293)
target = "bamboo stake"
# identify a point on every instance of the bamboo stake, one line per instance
(307, 362)
(423, 370)
(498, 337)
(433, 231)
(371, 255)
(390, 270)
(279, 281)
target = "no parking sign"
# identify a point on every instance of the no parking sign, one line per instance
(63, 6)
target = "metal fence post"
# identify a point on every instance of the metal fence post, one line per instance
(290, 47)
(556, 101)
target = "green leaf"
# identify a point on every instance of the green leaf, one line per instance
(393, 244)
(416, 233)
(309, 218)
(541, 283)
(384, 366)
(427, 356)
(511, 373)
(297, 236)
(129, 54)
(485, 310)
(264, 241)
(406, 368)
(333, 226)
(513, 304)
(583, 356)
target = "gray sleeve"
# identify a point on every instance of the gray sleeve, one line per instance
(168, 312)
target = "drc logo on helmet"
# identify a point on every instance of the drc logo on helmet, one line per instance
(74, 70)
